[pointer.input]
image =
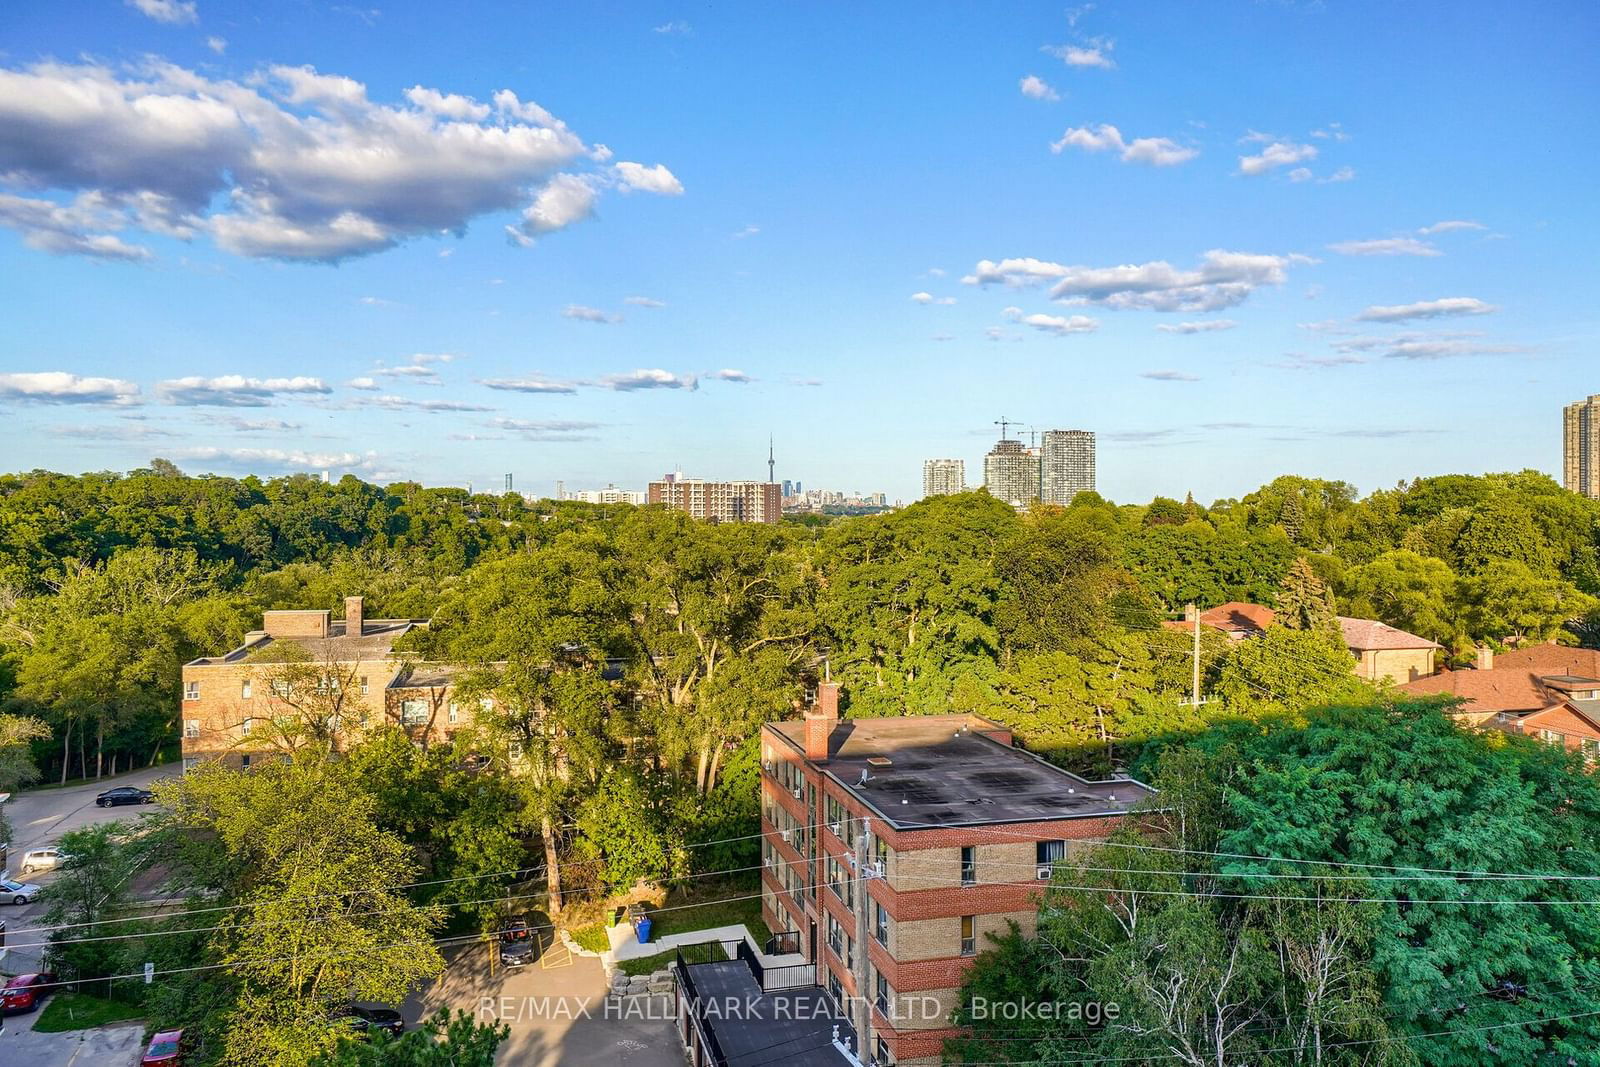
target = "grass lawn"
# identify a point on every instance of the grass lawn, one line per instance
(591, 937)
(80, 1011)
(711, 953)
(703, 906)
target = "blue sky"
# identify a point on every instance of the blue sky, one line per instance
(244, 236)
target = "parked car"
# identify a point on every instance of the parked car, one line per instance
(166, 1050)
(42, 859)
(12, 892)
(363, 1020)
(518, 945)
(125, 794)
(25, 991)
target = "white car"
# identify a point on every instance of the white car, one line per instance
(17, 892)
(42, 859)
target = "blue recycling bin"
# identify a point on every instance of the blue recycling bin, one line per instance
(641, 929)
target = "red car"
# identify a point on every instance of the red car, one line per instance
(25, 991)
(166, 1050)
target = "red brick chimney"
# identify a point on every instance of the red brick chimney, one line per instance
(354, 616)
(821, 718)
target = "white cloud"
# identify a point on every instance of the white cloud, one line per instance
(447, 105)
(808, 382)
(291, 164)
(1223, 279)
(173, 12)
(1343, 174)
(548, 429)
(1155, 151)
(1451, 226)
(675, 28)
(729, 374)
(1060, 325)
(656, 179)
(217, 45)
(1208, 326)
(1168, 376)
(1386, 246)
(1334, 133)
(280, 459)
(531, 384)
(60, 387)
(588, 314)
(1300, 174)
(1036, 88)
(1449, 348)
(922, 298)
(65, 229)
(644, 302)
(404, 403)
(234, 422)
(368, 384)
(1095, 52)
(1277, 154)
(1427, 309)
(560, 202)
(748, 231)
(654, 378)
(234, 390)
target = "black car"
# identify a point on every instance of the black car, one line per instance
(362, 1021)
(519, 946)
(125, 794)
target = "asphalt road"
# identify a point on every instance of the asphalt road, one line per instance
(38, 818)
(558, 1011)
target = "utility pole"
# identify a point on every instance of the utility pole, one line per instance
(1193, 613)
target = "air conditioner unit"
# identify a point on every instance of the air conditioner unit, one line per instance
(796, 792)
(1043, 873)
(766, 765)
(767, 862)
(837, 828)
(874, 870)
(785, 835)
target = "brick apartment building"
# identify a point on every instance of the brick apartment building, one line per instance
(719, 501)
(892, 846)
(303, 673)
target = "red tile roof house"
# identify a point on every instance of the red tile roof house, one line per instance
(1381, 651)
(1553, 695)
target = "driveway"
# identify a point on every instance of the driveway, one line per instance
(558, 1009)
(38, 818)
(107, 1046)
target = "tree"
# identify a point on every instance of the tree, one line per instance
(1509, 602)
(1304, 602)
(445, 1040)
(91, 886)
(315, 917)
(1287, 671)
(1408, 591)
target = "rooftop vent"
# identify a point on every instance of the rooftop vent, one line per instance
(879, 761)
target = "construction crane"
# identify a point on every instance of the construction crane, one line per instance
(1004, 422)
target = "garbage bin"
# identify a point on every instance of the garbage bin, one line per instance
(641, 928)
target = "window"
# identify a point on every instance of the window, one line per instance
(969, 864)
(244, 689)
(841, 883)
(247, 726)
(884, 996)
(835, 990)
(969, 935)
(191, 762)
(280, 688)
(880, 856)
(880, 923)
(191, 729)
(191, 690)
(413, 712)
(1591, 747)
(1049, 852)
(455, 713)
(839, 942)
(1552, 736)
(363, 684)
(244, 762)
(880, 1052)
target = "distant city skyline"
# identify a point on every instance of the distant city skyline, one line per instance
(1238, 239)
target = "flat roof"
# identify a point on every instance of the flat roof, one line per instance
(1571, 681)
(942, 771)
(793, 1027)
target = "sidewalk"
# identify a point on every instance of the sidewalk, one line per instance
(625, 946)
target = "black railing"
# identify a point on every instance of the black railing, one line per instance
(708, 1040)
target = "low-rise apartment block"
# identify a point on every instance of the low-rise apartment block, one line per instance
(719, 501)
(305, 675)
(891, 847)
